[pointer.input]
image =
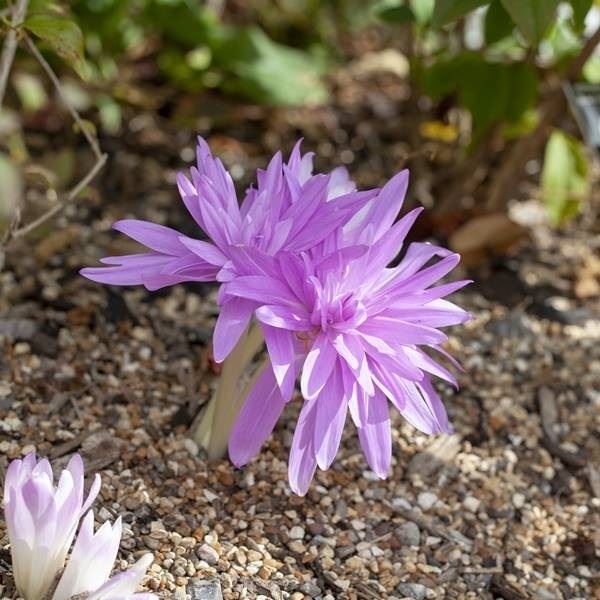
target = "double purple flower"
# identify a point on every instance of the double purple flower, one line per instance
(290, 210)
(309, 256)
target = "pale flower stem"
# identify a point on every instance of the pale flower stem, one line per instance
(212, 432)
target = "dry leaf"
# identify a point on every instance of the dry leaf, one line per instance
(486, 236)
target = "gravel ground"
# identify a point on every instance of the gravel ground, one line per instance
(507, 507)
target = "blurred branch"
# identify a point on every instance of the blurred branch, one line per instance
(92, 141)
(17, 233)
(14, 231)
(10, 45)
(530, 145)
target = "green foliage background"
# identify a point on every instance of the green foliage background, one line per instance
(277, 52)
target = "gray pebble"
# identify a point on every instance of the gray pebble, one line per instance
(199, 589)
(208, 554)
(409, 534)
(416, 591)
(310, 589)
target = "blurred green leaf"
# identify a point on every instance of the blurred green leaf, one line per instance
(565, 181)
(199, 58)
(62, 164)
(523, 85)
(187, 23)
(498, 23)
(446, 11)
(524, 125)
(394, 11)
(591, 70)
(173, 63)
(268, 72)
(11, 188)
(561, 43)
(580, 11)
(110, 114)
(532, 17)
(491, 92)
(30, 90)
(63, 36)
(423, 10)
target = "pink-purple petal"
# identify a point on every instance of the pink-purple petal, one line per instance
(233, 320)
(376, 436)
(256, 420)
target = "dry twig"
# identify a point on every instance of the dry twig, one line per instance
(14, 231)
(10, 45)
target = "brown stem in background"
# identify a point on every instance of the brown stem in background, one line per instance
(530, 145)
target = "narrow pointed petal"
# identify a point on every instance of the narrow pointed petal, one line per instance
(389, 244)
(261, 289)
(426, 363)
(205, 250)
(157, 237)
(438, 313)
(190, 198)
(427, 276)
(123, 585)
(256, 420)
(376, 436)
(389, 201)
(394, 330)
(283, 318)
(233, 320)
(318, 366)
(280, 346)
(421, 406)
(129, 272)
(435, 404)
(332, 406)
(302, 462)
(350, 348)
(340, 183)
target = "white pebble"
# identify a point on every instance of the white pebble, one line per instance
(471, 504)
(426, 500)
(518, 500)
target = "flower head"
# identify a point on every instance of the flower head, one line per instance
(358, 333)
(290, 210)
(42, 518)
(91, 562)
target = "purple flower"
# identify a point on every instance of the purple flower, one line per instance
(356, 331)
(42, 519)
(290, 210)
(91, 562)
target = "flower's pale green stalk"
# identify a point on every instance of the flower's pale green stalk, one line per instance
(214, 427)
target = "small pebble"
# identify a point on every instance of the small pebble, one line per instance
(208, 554)
(426, 500)
(518, 500)
(409, 534)
(416, 591)
(471, 504)
(310, 589)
